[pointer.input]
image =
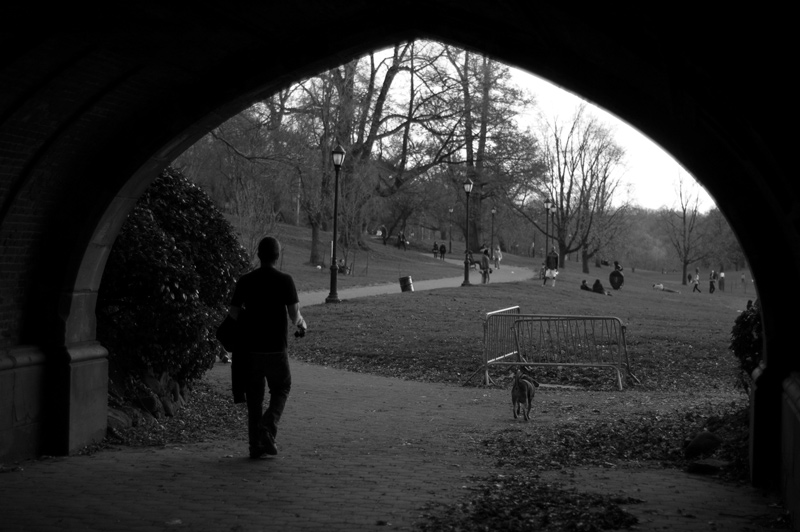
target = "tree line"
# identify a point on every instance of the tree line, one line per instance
(417, 121)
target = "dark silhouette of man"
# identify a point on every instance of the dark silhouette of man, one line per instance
(264, 303)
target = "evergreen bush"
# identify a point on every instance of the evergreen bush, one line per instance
(167, 283)
(747, 343)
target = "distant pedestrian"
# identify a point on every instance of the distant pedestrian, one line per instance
(497, 257)
(442, 251)
(435, 250)
(722, 280)
(485, 268)
(712, 282)
(551, 266)
(697, 281)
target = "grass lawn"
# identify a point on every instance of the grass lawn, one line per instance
(676, 341)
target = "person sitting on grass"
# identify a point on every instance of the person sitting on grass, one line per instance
(598, 287)
(585, 286)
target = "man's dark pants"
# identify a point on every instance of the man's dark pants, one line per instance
(272, 370)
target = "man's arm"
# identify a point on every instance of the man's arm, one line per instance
(294, 315)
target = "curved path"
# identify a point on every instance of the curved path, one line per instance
(505, 274)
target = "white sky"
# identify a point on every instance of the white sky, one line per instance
(651, 171)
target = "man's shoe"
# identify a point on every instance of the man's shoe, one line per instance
(268, 444)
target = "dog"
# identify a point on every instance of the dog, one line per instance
(522, 393)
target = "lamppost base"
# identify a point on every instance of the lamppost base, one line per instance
(466, 274)
(333, 296)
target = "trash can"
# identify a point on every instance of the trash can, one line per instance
(406, 285)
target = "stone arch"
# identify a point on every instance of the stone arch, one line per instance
(92, 106)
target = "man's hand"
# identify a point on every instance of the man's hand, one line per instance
(301, 327)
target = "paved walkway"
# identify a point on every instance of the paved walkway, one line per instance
(503, 275)
(357, 452)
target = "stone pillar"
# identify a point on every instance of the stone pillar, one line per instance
(22, 411)
(790, 443)
(765, 428)
(78, 396)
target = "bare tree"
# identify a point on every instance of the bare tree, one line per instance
(420, 116)
(683, 229)
(581, 166)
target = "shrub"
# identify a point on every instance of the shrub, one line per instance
(167, 282)
(746, 343)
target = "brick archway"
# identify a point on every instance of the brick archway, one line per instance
(93, 106)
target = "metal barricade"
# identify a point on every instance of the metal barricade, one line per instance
(498, 340)
(586, 341)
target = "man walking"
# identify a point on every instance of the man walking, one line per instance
(485, 268)
(551, 266)
(263, 303)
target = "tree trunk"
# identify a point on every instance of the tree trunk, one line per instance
(316, 258)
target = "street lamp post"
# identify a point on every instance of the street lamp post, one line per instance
(547, 204)
(491, 242)
(467, 188)
(450, 228)
(553, 215)
(337, 155)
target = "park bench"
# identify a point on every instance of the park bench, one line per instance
(512, 338)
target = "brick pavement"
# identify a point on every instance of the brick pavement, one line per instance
(357, 452)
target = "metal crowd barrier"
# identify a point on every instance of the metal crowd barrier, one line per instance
(511, 338)
(581, 341)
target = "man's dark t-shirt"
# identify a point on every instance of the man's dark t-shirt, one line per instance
(264, 295)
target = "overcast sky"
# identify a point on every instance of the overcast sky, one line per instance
(651, 171)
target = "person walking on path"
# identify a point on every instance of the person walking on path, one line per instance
(697, 281)
(442, 250)
(712, 282)
(551, 266)
(498, 256)
(262, 302)
(435, 250)
(485, 268)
